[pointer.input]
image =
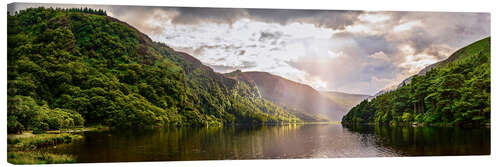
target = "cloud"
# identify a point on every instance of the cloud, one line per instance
(321, 18)
(380, 55)
(374, 17)
(208, 15)
(265, 36)
(407, 26)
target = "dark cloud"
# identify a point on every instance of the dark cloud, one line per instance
(197, 51)
(380, 70)
(208, 15)
(223, 68)
(320, 18)
(337, 19)
(265, 36)
(438, 52)
(229, 68)
(193, 15)
(450, 28)
(242, 52)
(374, 43)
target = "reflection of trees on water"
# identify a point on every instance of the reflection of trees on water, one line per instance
(284, 141)
(414, 141)
(189, 143)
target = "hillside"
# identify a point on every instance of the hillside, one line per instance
(76, 67)
(439, 64)
(345, 99)
(299, 97)
(455, 91)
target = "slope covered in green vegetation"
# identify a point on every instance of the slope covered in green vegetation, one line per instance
(456, 92)
(303, 100)
(75, 67)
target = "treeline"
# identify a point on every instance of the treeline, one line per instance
(86, 10)
(458, 93)
(68, 64)
(81, 10)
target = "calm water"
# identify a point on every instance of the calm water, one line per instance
(269, 142)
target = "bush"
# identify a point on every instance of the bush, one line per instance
(419, 118)
(14, 126)
(407, 117)
(38, 130)
(24, 113)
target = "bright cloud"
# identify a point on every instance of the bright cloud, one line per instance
(407, 26)
(374, 18)
(380, 56)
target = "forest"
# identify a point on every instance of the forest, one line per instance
(79, 67)
(454, 93)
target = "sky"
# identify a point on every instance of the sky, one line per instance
(358, 52)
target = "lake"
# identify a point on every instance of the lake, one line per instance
(271, 142)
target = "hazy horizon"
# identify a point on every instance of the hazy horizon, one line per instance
(357, 52)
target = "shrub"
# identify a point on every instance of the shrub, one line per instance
(24, 113)
(407, 117)
(14, 126)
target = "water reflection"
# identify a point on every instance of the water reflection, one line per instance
(269, 142)
(433, 141)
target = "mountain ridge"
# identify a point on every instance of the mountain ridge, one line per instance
(285, 92)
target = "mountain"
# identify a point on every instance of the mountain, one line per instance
(292, 95)
(75, 67)
(441, 63)
(456, 91)
(345, 99)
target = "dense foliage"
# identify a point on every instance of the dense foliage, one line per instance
(69, 64)
(301, 100)
(456, 93)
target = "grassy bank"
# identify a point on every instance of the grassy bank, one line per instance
(35, 157)
(22, 148)
(27, 141)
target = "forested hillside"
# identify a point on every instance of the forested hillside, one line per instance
(75, 67)
(454, 92)
(302, 100)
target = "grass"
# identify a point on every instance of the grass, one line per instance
(32, 142)
(34, 157)
(21, 149)
(79, 129)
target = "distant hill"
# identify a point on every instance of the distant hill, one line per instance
(301, 97)
(345, 99)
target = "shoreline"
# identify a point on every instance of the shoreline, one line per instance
(25, 148)
(415, 124)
